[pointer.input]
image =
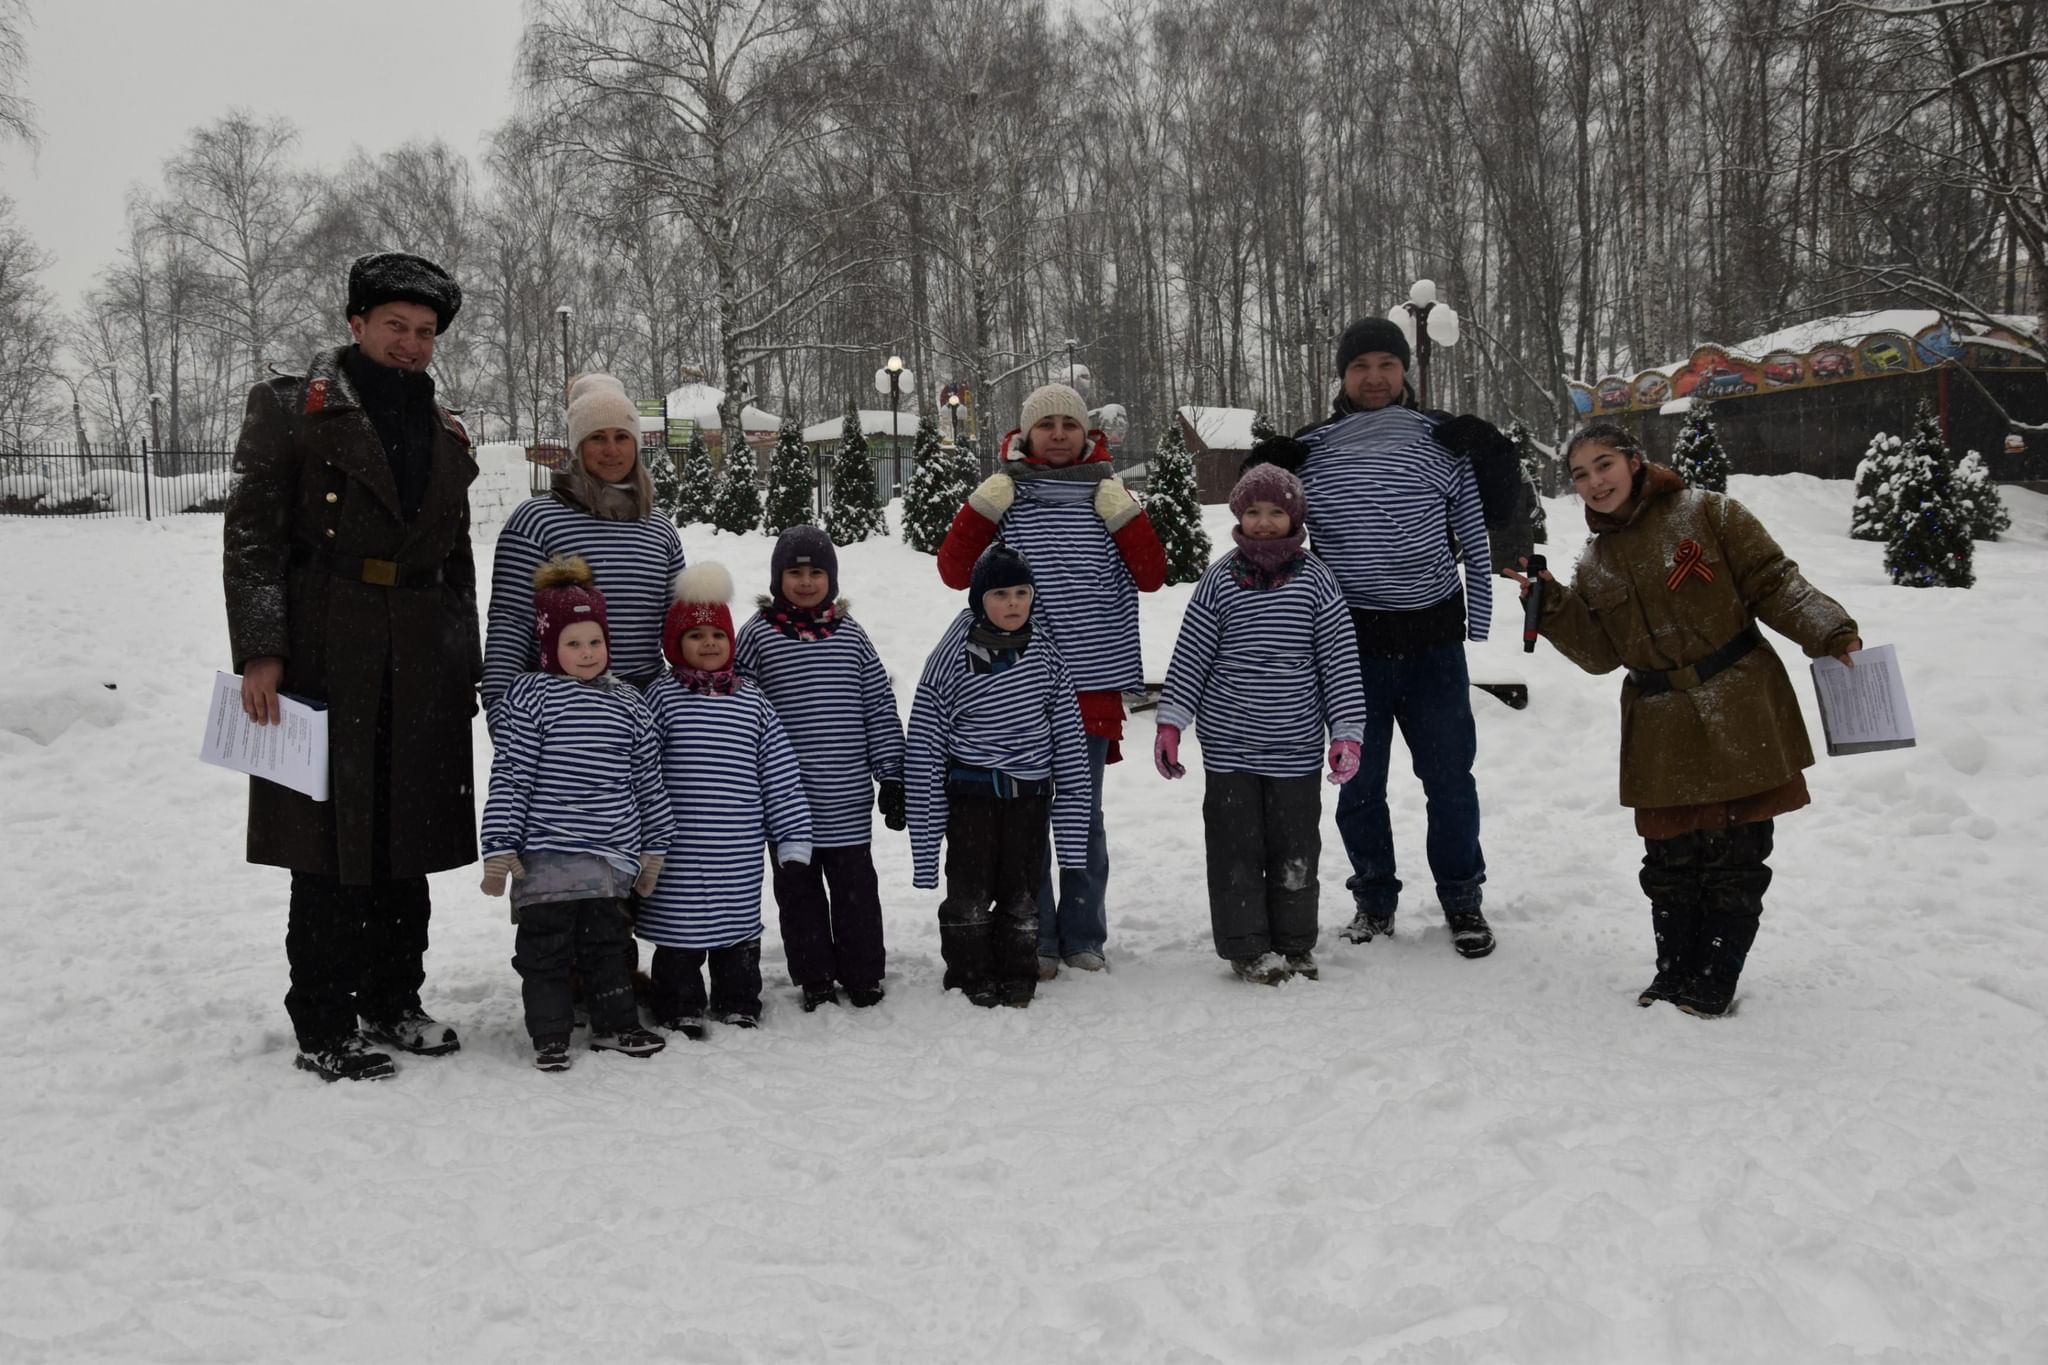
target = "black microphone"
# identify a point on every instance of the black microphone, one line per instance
(1532, 605)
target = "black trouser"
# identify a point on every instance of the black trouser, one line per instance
(1706, 891)
(988, 922)
(353, 951)
(595, 937)
(677, 978)
(1265, 841)
(839, 939)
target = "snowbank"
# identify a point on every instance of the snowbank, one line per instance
(1416, 1159)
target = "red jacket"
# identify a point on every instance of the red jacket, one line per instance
(971, 533)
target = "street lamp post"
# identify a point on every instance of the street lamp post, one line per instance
(1071, 344)
(1425, 319)
(562, 312)
(77, 416)
(156, 428)
(953, 414)
(893, 379)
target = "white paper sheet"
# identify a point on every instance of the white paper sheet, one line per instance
(292, 753)
(1863, 709)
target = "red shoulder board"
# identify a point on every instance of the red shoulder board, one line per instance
(316, 395)
(455, 423)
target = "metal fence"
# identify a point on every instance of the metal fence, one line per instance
(108, 481)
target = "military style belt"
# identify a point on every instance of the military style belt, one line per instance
(1651, 681)
(383, 573)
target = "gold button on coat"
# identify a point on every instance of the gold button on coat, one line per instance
(334, 497)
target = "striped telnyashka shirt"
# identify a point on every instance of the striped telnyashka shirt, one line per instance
(833, 699)
(1263, 674)
(575, 770)
(1023, 721)
(732, 781)
(634, 562)
(1081, 585)
(1381, 494)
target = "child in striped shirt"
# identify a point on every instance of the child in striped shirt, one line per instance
(733, 780)
(1265, 667)
(577, 818)
(831, 693)
(1092, 550)
(995, 740)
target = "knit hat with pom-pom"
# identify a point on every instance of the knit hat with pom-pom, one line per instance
(564, 593)
(1270, 483)
(702, 594)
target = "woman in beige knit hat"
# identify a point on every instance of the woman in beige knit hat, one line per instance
(601, 507)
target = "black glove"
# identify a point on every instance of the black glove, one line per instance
(1284, 451)
(890, 802)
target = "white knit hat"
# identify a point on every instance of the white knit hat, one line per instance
(599, 401)
(1050, 400)
(592, 379)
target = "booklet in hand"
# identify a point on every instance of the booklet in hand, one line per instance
(291, 753)
(1863, 709)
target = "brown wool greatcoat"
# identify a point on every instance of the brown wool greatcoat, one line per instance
(1740, 732)
(311, 475)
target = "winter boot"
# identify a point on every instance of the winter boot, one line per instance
(1469, 932)
(632, 1042)
(691, 1026)
(814, 996)
(415, 1032)
(551, 1054)
(1677, 925)
(1264, 970)
(1087, 962)
(1723, 947)
(349, 1059)
(1366, 926)
(1303, 965)
(865, 997)
(1048, 967)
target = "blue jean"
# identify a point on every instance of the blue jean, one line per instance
(1079, 921)
(1430, 696)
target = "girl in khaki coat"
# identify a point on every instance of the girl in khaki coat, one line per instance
(1712, 745)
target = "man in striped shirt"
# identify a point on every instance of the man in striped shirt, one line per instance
(1391, 512)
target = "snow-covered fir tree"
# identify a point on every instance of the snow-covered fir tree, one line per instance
(941, 482)
(1877, 473)
(855, 512)
(736, 506)
(1698, 455)
(1175, 506)
(696, 484)
(1981, 501)
(1532, 476)
(667, 485)
(1929, 544)
(1263, 428)
(792, 481)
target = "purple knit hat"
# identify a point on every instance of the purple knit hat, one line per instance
(1270, 483)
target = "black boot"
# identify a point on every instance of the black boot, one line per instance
(1733, 880)
(1677, 926)
(1723, 948)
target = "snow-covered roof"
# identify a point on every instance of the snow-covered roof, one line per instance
(699, 403)
(873, 422)
(1848, 328)
(1222, 428)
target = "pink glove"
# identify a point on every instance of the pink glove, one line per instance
(1343, 761)
(1166, 752)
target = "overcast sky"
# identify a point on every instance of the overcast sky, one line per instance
(119, 84)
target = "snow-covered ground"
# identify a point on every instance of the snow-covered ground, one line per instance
(1417, 1159)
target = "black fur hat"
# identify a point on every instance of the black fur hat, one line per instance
(400, 277)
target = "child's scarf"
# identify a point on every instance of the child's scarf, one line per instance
(990, 650)
(1262, 564)
(802, 623)
(710, 682)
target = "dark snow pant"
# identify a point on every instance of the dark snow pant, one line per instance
(354, 951)
(593, 936)
(988, 922)
(1265, 840)
(677, 978)
(1706, 891)
(836, 938)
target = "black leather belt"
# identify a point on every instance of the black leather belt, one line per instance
(382, 573)
(1651, 681)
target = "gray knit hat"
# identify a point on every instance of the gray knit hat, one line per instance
(804, 547)
(1049, 400)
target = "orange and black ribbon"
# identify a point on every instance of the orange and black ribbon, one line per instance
(1689, 561)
